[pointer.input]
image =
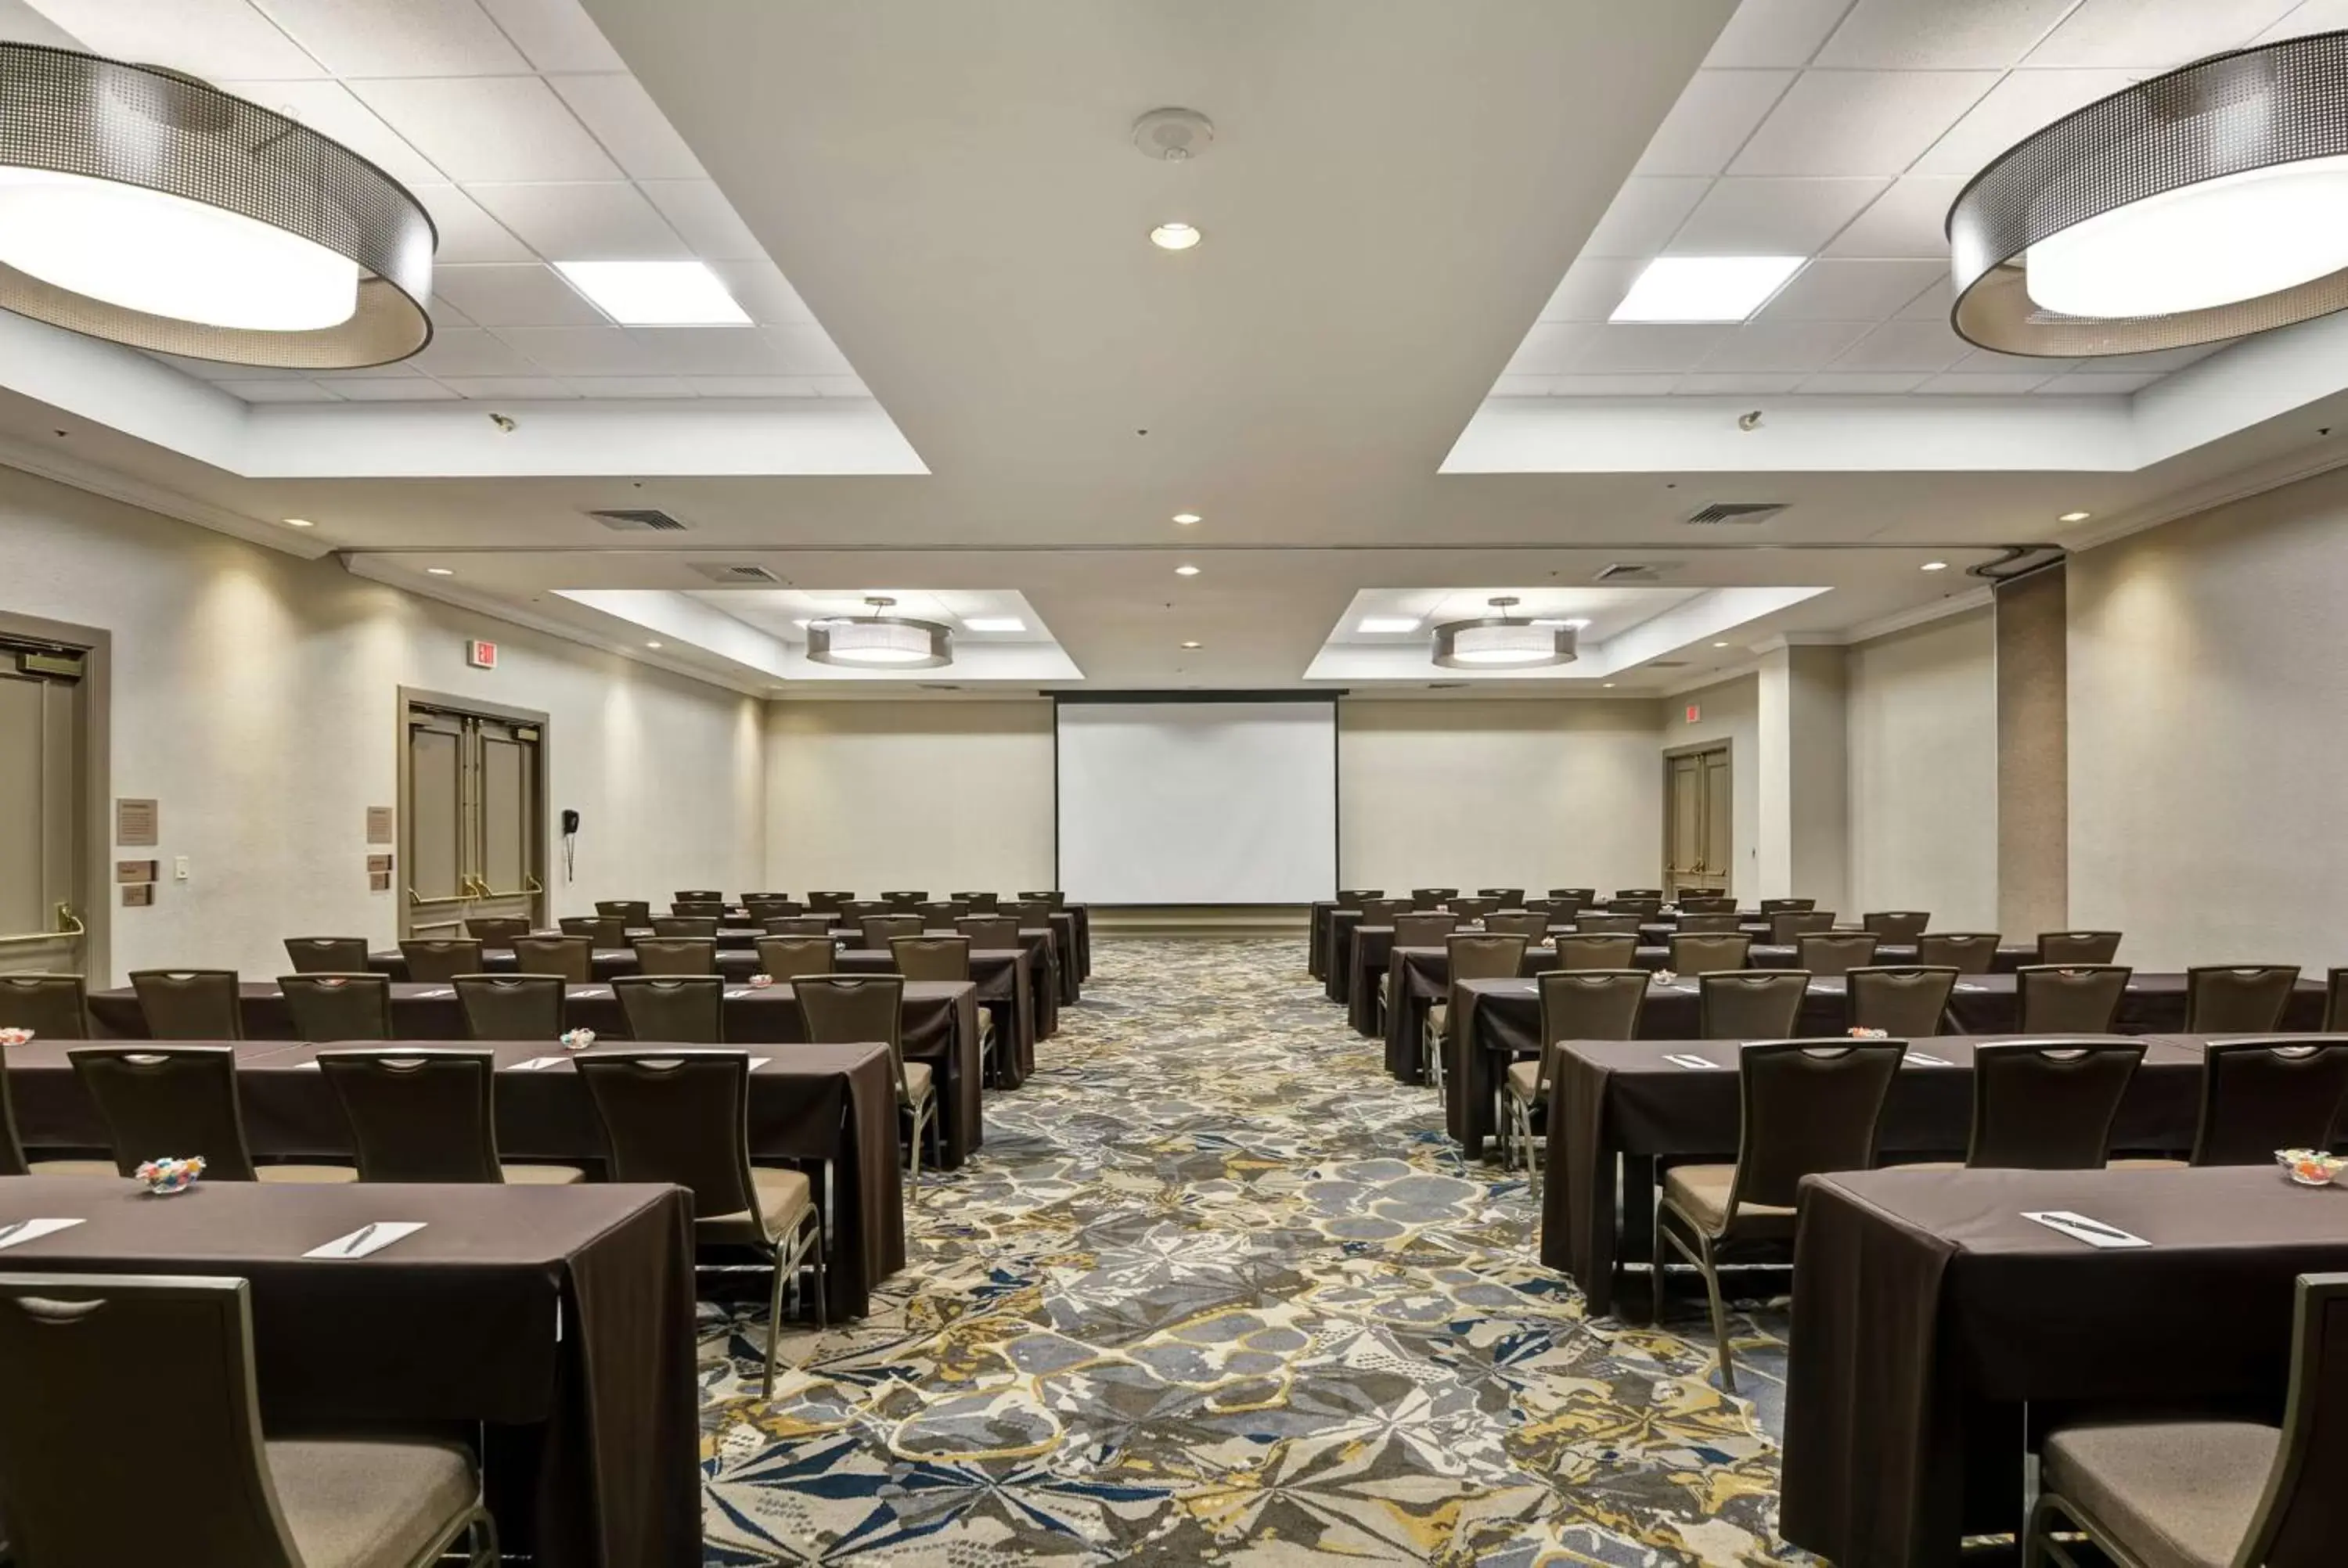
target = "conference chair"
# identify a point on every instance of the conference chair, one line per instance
(635, 912)
(1897, 928)
(190, 1004)
(712, 910)
(1424, 928)
(856, 909)
(800, 926)
(1750, 1004)
(2242, 999)
(761, 909)
(2335, 1000)
(1637, 908)
(699, 896)
(682, 1118)
(571, 958)
(2048, 1105)
(1050, 897)
(927, 958)
(2219, 1493)
(1384, 911)
(1589, 922)
(429, 1115)
(1809, 1106)
(689, 1009)
(1428, 898)
(1775, 905)
(2261, 1095)
(1706, 903)
(685, 926)
(2078, 947)
(1836, 952)
(55, 1007)
(2069, 999)
(978, 903)
(1637, 894)
(512, 1006)
(1702, 922)
(497, 930)
(990, 933)
(1519, 923)
(1574, 895)
(676, 956)
(1967, 952)
(828, 903)
(12, 1163)
(847, 1008)
(1709, 952)
(785, 958)
(906, 898)
(436, 960)
(1034, 914)
(180, 1101)
(878, 930)
(601, 930)
(1788, 926)
(338, 1007)
(1474, 956)
(1575, 1004)
(1509, 897)
(1908, 1000)
(327, 955)
(940, 914)
(1596, 949)
(87, 1489)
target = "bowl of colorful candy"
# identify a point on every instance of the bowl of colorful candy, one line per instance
(168, 1178)
(1666, 977)
(12, 1036)
(1868, 1033)
(760, 982)
(2310, 1167)
(578, 1038)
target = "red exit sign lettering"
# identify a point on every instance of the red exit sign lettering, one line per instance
(483, 655)
(1694, 711)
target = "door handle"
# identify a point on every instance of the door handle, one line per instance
(69, 926)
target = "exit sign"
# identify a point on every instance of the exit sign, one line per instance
(1694, 710)
(483, 655)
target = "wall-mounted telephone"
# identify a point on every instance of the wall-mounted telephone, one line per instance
(569, 842)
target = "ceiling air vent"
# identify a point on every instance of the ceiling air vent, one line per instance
(1721, 512)
(720, 572)
(639, 520)
(1667, 664)
(1631, 571)
(938, 686)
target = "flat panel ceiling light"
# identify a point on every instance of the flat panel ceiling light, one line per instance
(1382, 625)
(655, 294)
(2190, 208)
(1705, 288)
(992, 623)
(149, 208)
(1501, 641)
(880, 639)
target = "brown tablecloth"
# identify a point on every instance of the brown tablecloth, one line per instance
(1336, 970)
(562, 1318)
(1316, 942)
(1928, 1312)
(1618, 1107)
(1040, 943)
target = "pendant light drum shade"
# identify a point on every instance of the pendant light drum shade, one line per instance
(2189, 208)
(881, 640)
(151, 209)
(1502, 641)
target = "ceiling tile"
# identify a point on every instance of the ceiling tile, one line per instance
(395, 389)
(839, 386)
(2155, 34)
(1506, 387)
(711, 351)
(1860, 122)
(466, 234)
(1772, 217)
(398, 370)
(1774, 32)
(1715, 112)
(1933, 34)
(1830, 289)
(581, 351)
(2163, 360)
(214, 369)
(766, 386)
(219, 40)
(520, 388)
(2023, 103)
(632, 130)
(280, 391)
(1982, 361)
(2091, 383)
(1551, 347)
(1863, 383)
(328, 109)
(517, 294)
(1644, 216)
(469, 351)
(760, 288)
(1792, 345)
(589, 222)
(804, 350)
(1593, 286)
(1749, 383)
(445, 315)
(1612, 385)
(490, 128)
(699, 211)
(1905, 221)
(1935, 302)
(2003, 384)
(20, 23)
(556, 35)
(2314, 16)
(620, 386)
(398, 38)
(1907, 346)
(1644, 347)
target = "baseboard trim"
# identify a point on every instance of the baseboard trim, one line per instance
(1205, 921)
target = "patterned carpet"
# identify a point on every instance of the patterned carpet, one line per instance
(1219, 1291)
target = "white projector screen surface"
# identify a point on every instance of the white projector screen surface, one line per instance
(1197, 802)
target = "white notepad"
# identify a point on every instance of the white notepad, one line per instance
(437, 991)
(2079, 1227)
(22, 1231)
(536, 1064)
(1694, 1063)
(1920, 1059)
(367, 1239)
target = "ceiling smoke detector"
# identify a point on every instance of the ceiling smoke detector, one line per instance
(1173, 135)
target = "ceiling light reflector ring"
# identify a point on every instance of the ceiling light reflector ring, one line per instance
(880, 640)
(1502, 641)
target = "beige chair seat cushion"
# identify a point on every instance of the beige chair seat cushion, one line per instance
(71, 1168)
(314, 1174)
(369, 1504)
(917, 1081)
(1701, 1193)
(2177, 1494)
(542, 1175)
(1437, 1015)
(1524, 1080)
(784, 1199)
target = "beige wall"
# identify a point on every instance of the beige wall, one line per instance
(1923, 744)
(1730, 710)
(1497, 794)
(937, 795)
(2207, 681)
(254, 697)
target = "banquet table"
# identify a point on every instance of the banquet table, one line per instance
(1041, 943)
(939, 1020)
(560, 1318)
(1929, 1313)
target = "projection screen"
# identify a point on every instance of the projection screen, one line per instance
(1197, 802)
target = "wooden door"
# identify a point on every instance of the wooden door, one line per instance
(43, 833)
(472, 825)
(1697, 816)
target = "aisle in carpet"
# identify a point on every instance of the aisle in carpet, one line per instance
(1220, 1290)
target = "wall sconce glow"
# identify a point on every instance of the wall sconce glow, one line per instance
(992, 623)
(1935, 565)
(655, 294)
(1705, 288)
(651, 645)
(299, 523)
(1186, 518)
(1175, 236)
(1194, 645)
(1186, 571)
(440, 572)
(1387, 625)
(2075, 516)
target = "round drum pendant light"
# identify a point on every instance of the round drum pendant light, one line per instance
(1501, 641)
(152, 209)
(881, 640)
(2190, 208)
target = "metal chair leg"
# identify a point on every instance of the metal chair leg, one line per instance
(1719, 1315)
(774, 1324)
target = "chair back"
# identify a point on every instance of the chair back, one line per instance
(2238, 999)
(982, 903)
(1424, 928)
(1908, 1002)
(1640, 894)
(161, 1100)
(991, 932)
(1509, 897)
(571, 958)
(418, 1115)
(679, 1118)
(1596, 949)
(1485, 956)
(327, 955)
(1428, 898)
(1709, 952)
(693, 910)
(601, 930)
(685, 926)
(2261, 1095)
(699, 896)
(1809, 1106)
(436, 960)
(2335, 1000)
(880, 930)
(1033, 914)
(798, 926)
(855, 909)
(1967, 952)
(761, 907)
(512, 1006)
(689, 1009)
(1706, 922)
(1590, 1004)
(1573, 895)
(839, 1009)
(1519, 923)
(1594, 922)
(1897, 928)
(76, 1352)
(828, 903)
(2076, 947)
(907, 897)
(1385, 911)
(676, 955)
(1776, 906)
(1706, 903)
(1750, 1004)
(1836, 952)
(2303, 1516)
(932, 957)
(497, 930)
(785, 959)
(940, 914)
(1050, 897)
(1637, 908)
(54, 1006)
(2048, 1105)
(338, 1007)
(636, 912)
(190, 1004)
(2069, 999)
(1787, 927)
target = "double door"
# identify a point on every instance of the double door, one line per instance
(473, 830)
(1697, 822)
(43, 806)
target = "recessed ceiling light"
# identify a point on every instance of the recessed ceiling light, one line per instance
(300, 523)
(651, 645)
(994, 623)
(1935, 565)
(1175, 236)
(441, 571)
(1578, 622)
(1193, 645)
(1186, 571)
(1705, 288)
(1383, 625)
(1186, 518)
(1608, 684)
(2075, 516)
(1720, 645)
(655, 294)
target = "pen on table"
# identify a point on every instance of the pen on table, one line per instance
(358, 1241)
(8, 1230)
(2078, 1222)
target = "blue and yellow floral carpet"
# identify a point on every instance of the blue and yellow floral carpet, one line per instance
(1219, 1291)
